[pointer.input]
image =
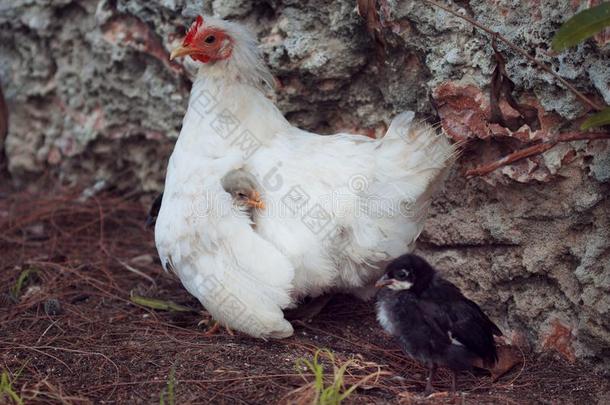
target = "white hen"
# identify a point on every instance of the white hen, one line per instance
(338, 207)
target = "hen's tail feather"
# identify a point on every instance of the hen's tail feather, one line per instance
(424, 152)
(400, 124)
(420, 136)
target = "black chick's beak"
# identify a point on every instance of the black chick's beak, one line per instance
(383, 282)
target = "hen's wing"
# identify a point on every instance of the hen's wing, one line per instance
(238, 276)
(310, 187)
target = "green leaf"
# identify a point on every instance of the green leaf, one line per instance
(598, 119)
(155, 303)
(581, 26)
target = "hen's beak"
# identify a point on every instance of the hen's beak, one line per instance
(383, 282)
(255, 200)
(181, 51)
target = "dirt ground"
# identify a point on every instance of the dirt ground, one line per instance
(97, 346)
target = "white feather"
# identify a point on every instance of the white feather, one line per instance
(385, 318)
(400, 285)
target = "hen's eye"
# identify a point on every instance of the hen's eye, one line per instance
(210, 39)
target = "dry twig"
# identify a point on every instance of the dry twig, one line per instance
(535, 150)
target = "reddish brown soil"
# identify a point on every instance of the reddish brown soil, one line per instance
(101, 348)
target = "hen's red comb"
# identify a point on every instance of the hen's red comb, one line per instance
(193, 30)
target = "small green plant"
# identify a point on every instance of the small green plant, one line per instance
(334, 393)
(169, 390)
(22, 280)
(6, 386)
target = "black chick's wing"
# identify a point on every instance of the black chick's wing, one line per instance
(468, 324)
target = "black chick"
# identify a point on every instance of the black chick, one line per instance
(431, 319)
(153, 212)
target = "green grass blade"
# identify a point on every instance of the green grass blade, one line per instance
(598, 119)
(169, 389)
(335, 392)
(162, 305)
(582, 26)
(15, 397)
(340, 384)
(170, 386)
(23, 366)
(23, 278)
(6, 389)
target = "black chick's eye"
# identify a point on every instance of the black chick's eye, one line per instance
(402, 274)
(210, 39)
(242, 196)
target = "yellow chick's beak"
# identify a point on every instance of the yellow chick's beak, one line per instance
(180, 51)
(255, 201)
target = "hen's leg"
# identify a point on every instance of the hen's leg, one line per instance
(308, 310)
(431, 372)
(453, 381)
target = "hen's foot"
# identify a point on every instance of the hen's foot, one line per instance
(213, 327)
(308, 310)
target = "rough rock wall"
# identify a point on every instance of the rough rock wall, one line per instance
(93, 97)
